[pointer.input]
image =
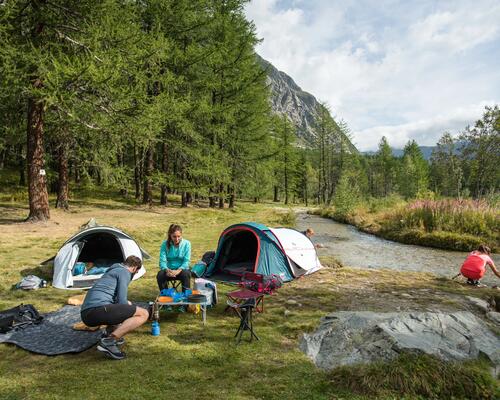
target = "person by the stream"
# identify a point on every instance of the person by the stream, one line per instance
(474, 266)
(309, 233)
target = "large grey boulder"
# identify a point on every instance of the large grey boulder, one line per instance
(479, 303)
(358, 337)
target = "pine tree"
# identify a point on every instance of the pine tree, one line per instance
(414, 171)
(445, 171)
(480, 153)
(386, 168)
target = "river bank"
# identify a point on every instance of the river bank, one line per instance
(386, 223)
(362, 250)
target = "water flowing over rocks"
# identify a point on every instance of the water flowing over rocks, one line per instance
(346, 337)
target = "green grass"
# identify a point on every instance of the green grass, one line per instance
(188, 360)
(418, 376)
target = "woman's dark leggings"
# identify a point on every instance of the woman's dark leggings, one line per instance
(184, 277)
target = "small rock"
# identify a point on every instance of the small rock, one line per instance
(493, 316)
(480, 303)
(286, 313)
(406, 295)
(291, 302)
(299, 304)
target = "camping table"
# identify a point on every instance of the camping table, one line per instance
(241, 295)
(203, 306)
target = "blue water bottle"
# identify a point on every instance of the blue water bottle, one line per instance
(155, 328)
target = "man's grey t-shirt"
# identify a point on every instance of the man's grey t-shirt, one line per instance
(111, 288)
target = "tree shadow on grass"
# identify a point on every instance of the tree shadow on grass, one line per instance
(45, 271)
(10, 221)
(8, 214)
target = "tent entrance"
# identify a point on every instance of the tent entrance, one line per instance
(238, 253)
(101, 248)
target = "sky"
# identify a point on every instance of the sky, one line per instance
(401, 69)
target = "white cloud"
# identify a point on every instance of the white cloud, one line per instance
(425, 131)
(457, 31)
(388, 67)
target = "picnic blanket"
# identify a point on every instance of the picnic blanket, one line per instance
(55, 335)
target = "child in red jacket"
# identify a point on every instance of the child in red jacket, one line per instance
(474, 266)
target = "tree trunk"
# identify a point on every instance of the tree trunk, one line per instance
(164, 169)
(286, 183)
(211, 199)
(276, 194)
(137, 175)
(147, 197)
(22, 167)
(306, 195)
(37, 181)
(77, 172)
(62, 187)
(3, 154)
(184, 199)
(232, 197)
(221, 195)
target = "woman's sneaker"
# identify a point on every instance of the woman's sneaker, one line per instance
(109, 346)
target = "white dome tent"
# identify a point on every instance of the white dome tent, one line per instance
(98, 244)
(299, 250)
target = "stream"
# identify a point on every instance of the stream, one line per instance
(361, 250)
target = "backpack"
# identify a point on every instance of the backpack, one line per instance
(199, 269)
(261, 283)
(31, 282)
(19, 318)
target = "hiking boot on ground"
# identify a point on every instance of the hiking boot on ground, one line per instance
(119, 342)
(109, 346)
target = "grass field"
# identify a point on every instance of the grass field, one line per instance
(190, 361)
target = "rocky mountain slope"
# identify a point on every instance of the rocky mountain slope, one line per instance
(288, 98)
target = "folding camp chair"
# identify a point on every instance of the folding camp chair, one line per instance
(175, 284)
(245, 312)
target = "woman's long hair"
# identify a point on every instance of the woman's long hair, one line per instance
(172, 228)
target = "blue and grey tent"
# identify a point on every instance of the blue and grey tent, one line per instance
(253, 247)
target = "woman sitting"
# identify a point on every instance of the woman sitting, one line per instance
(175, 255)
(474, 266)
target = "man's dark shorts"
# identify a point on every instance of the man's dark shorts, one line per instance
(111, 314)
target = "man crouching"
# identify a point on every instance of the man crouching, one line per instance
(106, 304)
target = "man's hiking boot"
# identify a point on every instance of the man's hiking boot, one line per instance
(109, 346)
(119, 342)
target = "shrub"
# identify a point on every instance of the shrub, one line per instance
(376, 204)
(288, 219)
(347, 196)
(474, 217)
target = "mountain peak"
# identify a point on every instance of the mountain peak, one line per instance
(288, 98)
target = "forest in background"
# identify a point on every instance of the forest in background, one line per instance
(167, 97)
